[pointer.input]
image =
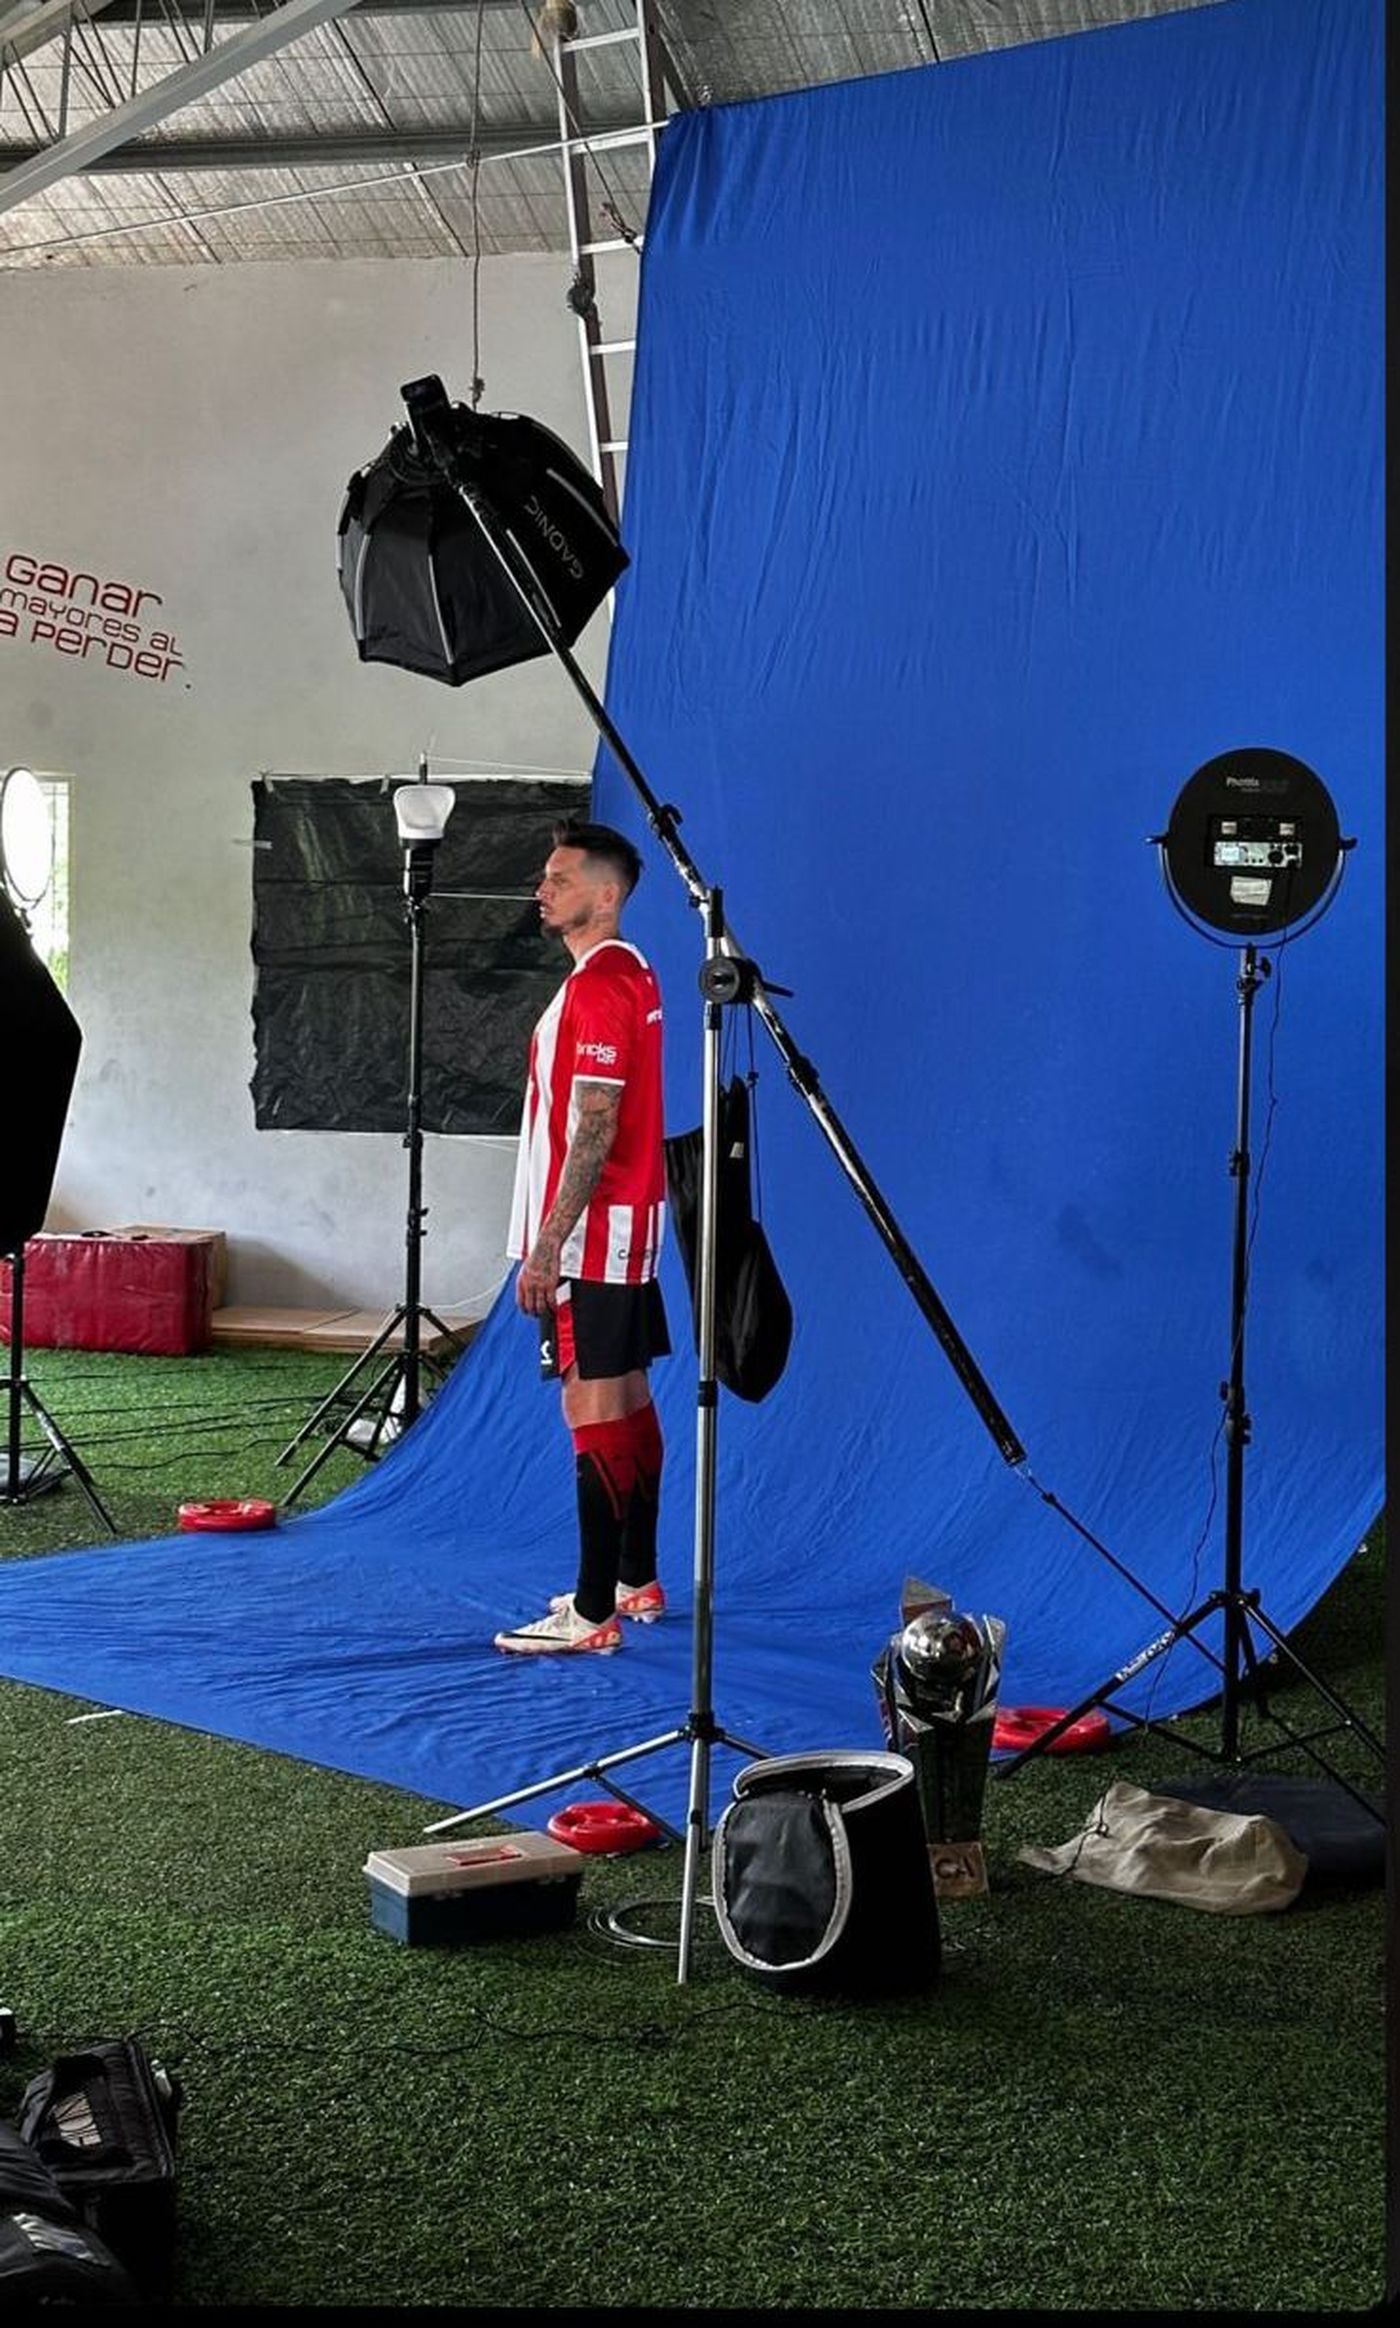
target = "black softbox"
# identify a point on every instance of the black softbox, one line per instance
(42, 1043)
(424, 586)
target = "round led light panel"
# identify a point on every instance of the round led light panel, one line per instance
(26, 837)
(1253, 843)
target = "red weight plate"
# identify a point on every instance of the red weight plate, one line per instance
(602, 1827)
(1020, 1726)
(231, 1512)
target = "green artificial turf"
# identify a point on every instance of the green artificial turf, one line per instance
(1107, 2102)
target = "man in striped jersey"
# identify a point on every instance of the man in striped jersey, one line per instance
(587, 1220)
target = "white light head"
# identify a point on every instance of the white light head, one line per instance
(422, 811)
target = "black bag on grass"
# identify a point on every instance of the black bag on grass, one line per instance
(103, 2123)
(47, 2256)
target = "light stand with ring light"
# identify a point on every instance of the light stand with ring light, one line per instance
(525, 497)
(48, 1043)
(392, 1400)
(1252, 850)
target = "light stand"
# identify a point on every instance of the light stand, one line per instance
(44, 1043)
(724, 979)
(392, 1399)
(1285, 863)
(28, 1476)
(728, 976)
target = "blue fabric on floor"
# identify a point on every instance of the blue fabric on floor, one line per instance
(1006, 443)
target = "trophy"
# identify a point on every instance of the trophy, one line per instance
(936, 1682)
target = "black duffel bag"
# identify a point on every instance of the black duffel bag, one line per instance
(821, 1875)
(47, 2255)
(103, 2122)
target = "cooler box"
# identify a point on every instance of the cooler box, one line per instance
(100, 1290)
(497, 1887)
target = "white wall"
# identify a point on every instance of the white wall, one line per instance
(190, 434)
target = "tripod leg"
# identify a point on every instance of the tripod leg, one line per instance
(333, 1397)
(594, 1769)
(67, 1456)
(1344, 1713)
(633, 1804)
(449, 1332)
(1301, 1741)
(696, 1836)
(341, 1437)
(1102, 1696)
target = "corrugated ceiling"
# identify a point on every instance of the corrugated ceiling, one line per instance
(178, 132)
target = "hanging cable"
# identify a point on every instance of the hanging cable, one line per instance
(474, 166)
(341, 40)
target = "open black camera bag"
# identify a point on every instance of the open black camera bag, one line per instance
(821, 1876)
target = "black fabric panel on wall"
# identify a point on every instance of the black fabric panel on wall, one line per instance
(332, 954)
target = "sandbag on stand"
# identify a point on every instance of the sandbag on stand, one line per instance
(821, 1875)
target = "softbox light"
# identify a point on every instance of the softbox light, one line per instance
(42, 1047)
(423, 583)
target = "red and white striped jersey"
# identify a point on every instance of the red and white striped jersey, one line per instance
(603, 1026)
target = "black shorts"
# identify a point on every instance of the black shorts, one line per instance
(604, 1330)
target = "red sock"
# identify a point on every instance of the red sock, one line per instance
(605, 1468)
(638, 1559)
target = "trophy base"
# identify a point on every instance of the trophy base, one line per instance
(959, 1870)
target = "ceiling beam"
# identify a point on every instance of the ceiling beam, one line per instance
(25, 26)
(328, 149)
(250, 11)
(334, 149)
(233, 56)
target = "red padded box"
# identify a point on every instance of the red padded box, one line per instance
(101, 1291)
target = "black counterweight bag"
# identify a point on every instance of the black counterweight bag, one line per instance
(753, 1316)
(821, 1875)
(103, 2122)
(47, 2256)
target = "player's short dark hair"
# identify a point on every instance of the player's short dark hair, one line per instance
(601, 841)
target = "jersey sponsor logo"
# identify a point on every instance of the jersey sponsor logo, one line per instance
(604, 1053)
(654, 1018)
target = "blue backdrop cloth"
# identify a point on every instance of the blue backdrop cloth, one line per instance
(1006, 443)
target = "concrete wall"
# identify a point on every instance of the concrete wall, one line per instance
(186, 437)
